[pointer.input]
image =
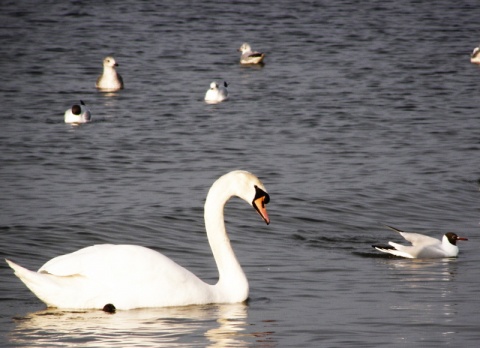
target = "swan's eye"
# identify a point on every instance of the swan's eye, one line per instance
(266, 199)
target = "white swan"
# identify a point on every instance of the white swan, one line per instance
(110, 80)
(216, 93)
(78, 113)
(130, 276)
(250, 57)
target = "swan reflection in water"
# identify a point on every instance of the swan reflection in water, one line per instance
(207, 325)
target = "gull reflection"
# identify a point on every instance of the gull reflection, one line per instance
(425, 291)
(424, 270)
(210, 325)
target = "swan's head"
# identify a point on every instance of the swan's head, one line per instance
(245, 48)
(213, 85)
(248, 187)
(110, 62)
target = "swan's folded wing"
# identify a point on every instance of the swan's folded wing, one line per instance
(116, 262)
(119, 265)
(76, 263)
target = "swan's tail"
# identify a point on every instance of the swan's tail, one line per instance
(39, 283)
(70, 291)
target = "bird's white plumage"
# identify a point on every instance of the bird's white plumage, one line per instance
(475, 56)
(216, 94)
(422, 246)
(78, 113)
(419, 239)
(130, 276)
(249, 56)
(110, 80)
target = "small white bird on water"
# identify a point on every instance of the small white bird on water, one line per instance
(129, 276)
(110, 80)
(250, 57)
(216, 93)
(475, 56)
(77, 114)
(423, 247)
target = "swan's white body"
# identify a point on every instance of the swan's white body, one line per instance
(250, 57)
(216, 93)
(78, 113)
(130, 276)
(423, 247)
(110, 80)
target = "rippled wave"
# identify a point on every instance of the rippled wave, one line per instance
(364, 114)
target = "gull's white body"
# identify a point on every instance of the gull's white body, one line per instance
(424, 247)
(130, 276)
(110, 80)
(250, 57)
(475, 56)
(78, 113)
(216, 93)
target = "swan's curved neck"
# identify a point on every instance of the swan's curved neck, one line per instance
(232, 284)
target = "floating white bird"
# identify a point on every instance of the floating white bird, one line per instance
(78, 113)
(475, 56)
(216, 93)
(422, 246)
(110, 80)
(250, 57)
(130, 276)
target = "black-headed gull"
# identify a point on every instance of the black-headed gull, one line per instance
(250, 57)
(216, 93)
(110, 80)
(422, 246)
(78, 113)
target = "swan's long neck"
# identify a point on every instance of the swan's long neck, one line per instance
(232, 285)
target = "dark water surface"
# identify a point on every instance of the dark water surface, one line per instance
(364, 114)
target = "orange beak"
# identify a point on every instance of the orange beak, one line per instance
(259, 205)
